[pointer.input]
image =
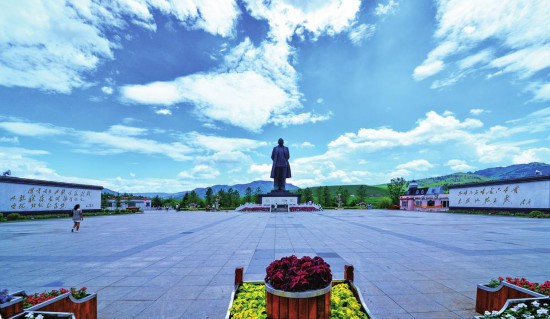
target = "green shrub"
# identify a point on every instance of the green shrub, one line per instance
(384, 203)
(2, 217)
(536, 214)
(14, 216)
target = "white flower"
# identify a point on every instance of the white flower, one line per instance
(535, 304)
(494, 313)
(515, 309)
(487, 313)
(40, 317)
(526, 316)
(542, 311)
(30, 315)
(522, 305)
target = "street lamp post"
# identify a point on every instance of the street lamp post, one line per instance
(217, 203)
(339, 200)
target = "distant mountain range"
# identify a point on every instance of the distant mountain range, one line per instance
(265, 186)
(493, 173)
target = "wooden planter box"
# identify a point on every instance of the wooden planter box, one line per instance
(499, 298)
(299, 306)
(85, 308)
(12, 307)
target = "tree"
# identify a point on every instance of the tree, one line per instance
(308, 195)
(320, 193)
(362, 193)
(117, 201)
(222, 197)
(209, 197)
(257, 194)
(156, 201)
(104, 200)
(396, 188)
(327, 199)
(345, 197)
(185, 200)
(248, 195)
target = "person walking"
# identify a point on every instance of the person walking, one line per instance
(77, 217)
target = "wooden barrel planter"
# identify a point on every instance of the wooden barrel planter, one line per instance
(489, 299)
(11, 307)
(300, 305)
(85, 308)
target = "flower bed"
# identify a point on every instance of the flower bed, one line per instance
(37, 298)
(295, 274)
(248, 299)
(498, 294)
(535, 309)
(303, 209)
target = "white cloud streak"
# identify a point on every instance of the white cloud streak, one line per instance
(520, 43)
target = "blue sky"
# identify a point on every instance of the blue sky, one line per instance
(163, 95)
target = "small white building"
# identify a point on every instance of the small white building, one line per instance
(425, 199)
(142, 204)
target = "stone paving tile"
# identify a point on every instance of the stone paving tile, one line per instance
(437, 258)
(123, 309)
(165, 308)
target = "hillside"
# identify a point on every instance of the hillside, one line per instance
(452, 179)
(514, 171)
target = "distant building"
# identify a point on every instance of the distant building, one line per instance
(424, 199)
(142, 204)
(531, 193)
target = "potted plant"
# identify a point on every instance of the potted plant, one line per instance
(298, 288)
(10, 304)
(495, 295)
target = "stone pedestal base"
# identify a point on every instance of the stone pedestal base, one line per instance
(279, 198)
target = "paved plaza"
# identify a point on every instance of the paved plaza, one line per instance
(181, 265)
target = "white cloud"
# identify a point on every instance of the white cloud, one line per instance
(304, 145)
(163, 112)
(540, 154)
(360, 33)
(107, 90)
(458, 165)
(432, 130)
(384, 9)
(476, 112)
(221, 144)
(541, 90)
(255, 85)
(127, 130)
(31, 129)
(200, 172)
(53, 45)
(416, 165)
(298, 119)
(518, 44)
(12, 140)
(320, 101)
(427, 69)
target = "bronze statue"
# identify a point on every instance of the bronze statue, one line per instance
(280, 170)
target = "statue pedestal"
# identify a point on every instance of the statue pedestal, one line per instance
(280, 199)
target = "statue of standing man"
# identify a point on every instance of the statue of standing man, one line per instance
(280, 170)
